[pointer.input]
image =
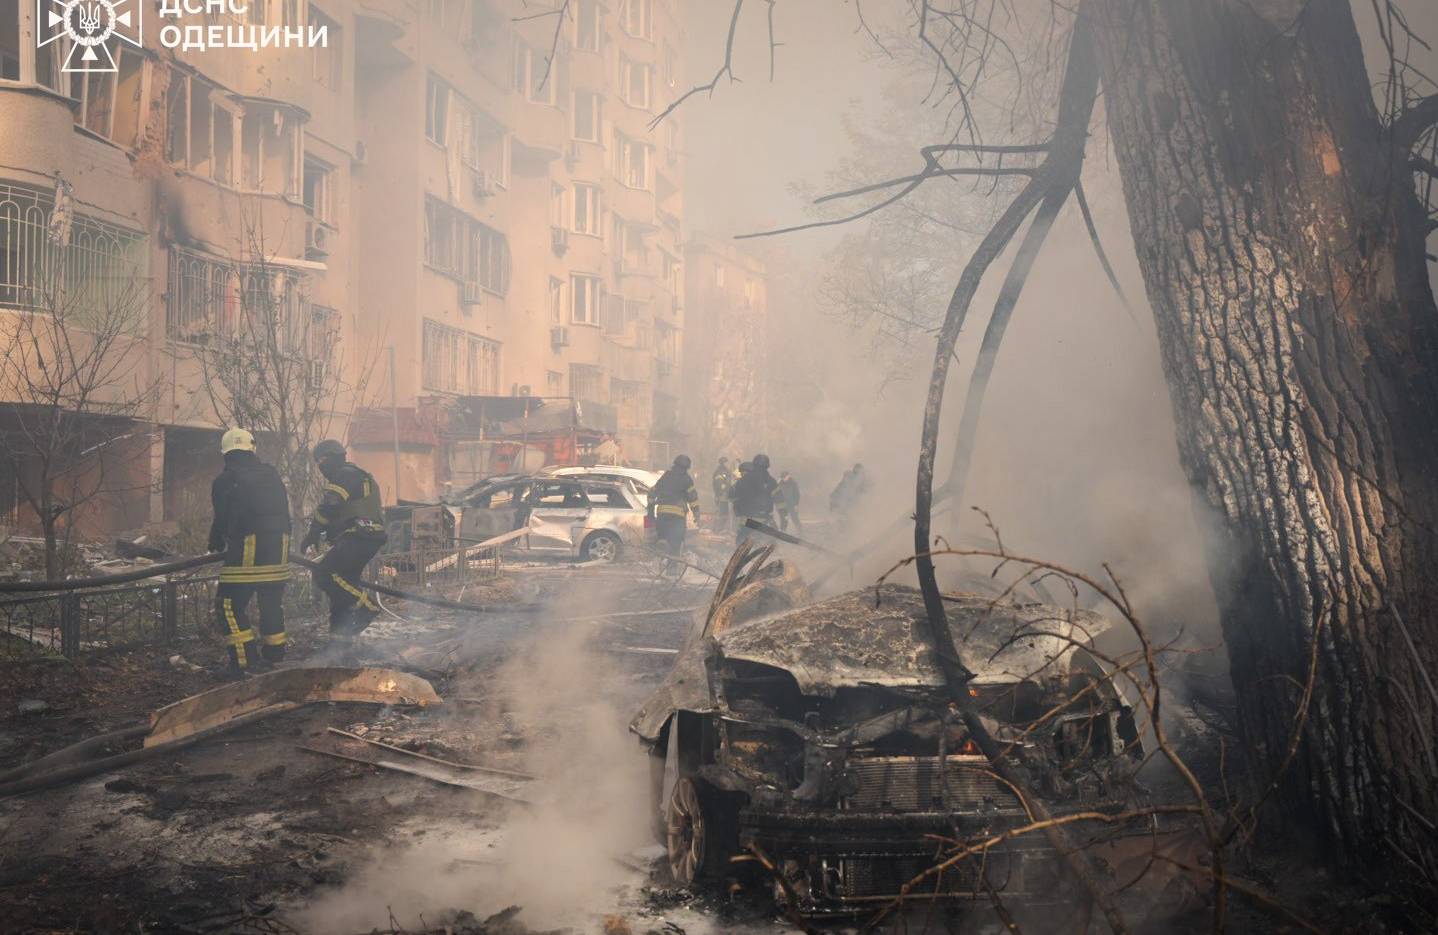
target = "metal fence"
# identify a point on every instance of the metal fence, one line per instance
(426, 568)
(162, 612)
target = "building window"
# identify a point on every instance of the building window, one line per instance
(633, 162)
(437, 11)
(10, 42)
(436, 110)
(558, 213)
(556, 300)
(269, 151)
(455, 361)
(587, 207)
(749, 290)
(586, 382)
(200, 129)
(317, 191)
(588, 116)
(553, 383)
(586, 294)
(586, 25)
(671, 66)
(484, 144)
(459, 246)
(636, 82)
(210, 300)
(533, 77)
(328, 57)
(638, 18)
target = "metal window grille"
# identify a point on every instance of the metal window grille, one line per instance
(93, 265)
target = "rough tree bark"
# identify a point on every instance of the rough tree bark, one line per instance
(1281, 246)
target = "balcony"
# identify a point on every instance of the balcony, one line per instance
(89, 265)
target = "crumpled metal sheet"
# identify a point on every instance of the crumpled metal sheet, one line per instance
(287, 686)
(848, 641)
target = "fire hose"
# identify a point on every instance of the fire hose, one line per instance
(185, 564)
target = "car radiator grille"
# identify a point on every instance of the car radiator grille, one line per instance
(926, 784)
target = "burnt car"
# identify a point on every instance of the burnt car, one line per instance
(821, 735)
(589, 519)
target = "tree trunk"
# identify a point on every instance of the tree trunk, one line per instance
(1282, 250)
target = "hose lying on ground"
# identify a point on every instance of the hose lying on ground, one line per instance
(119, 577)
(423, 598)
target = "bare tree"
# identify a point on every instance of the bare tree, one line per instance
(271, 360)
(74, 376)
(1281, 219)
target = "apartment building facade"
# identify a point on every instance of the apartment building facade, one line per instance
(726, 350)
(447, 199)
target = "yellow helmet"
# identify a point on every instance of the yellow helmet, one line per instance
(236, 440)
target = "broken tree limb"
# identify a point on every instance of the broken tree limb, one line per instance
(674, 558)
(70, 774)
(296, 686)
(119, 577)
(472, 783)
(768, 530)
(1046, 191)
(512, 774)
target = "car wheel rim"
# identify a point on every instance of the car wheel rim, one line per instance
(684, 832)
(602, 549)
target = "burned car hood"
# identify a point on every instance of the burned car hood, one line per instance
(878, 638)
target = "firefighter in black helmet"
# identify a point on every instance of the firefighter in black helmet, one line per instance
(350, 518)
(753, 495)
(252, 528)
(670, 500)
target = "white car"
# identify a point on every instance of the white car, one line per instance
(581, 517)
(643, 479)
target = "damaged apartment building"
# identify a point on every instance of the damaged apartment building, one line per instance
(461, 211)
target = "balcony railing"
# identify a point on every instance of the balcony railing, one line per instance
(70, 260)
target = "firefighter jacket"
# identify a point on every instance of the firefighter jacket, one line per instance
(252, 521)
(674, 494)
(349, 505)
(753, 493)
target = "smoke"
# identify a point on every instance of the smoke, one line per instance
(559, 860)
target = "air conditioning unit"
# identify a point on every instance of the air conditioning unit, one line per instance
(484, 184)
(317, 238)
(559, 240)
(559, 336)
(470, 294)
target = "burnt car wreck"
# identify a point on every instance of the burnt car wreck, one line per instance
(821, 737)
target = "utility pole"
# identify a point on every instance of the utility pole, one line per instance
(394, 418)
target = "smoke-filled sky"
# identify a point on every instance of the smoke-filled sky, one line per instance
(1077, 458)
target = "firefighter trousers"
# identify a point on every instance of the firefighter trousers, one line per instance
(352, 607)
(670, 529)
(231, 609)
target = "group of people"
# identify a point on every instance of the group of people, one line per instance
(252, 528)
(751, 492)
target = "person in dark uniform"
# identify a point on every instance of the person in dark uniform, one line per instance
(670, 500)
(350, 518)
(252, 527)
(753, 495)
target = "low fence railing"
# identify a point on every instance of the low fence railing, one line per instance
(162, 612)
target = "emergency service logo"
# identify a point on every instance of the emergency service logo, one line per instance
(89, 31)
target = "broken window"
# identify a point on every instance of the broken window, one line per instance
(636, 82)
(200, 113)
(553, 383)
(483, 371)
(10, 42)
(484, 144)
(532, 75)
(440, 237)
(436, 110)
(459, 246)
(631, 161)
(317, 196)
(493, 259)
(455, 361)
(586, 294)
(638, 18)
(328, 59)
(270, 150)
(588, 111)
(586, 25)
(587, 209)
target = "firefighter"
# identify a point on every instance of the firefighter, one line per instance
(723, 482)
(670, 500)
(753, 495)
(252, 528)
(349, 517)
